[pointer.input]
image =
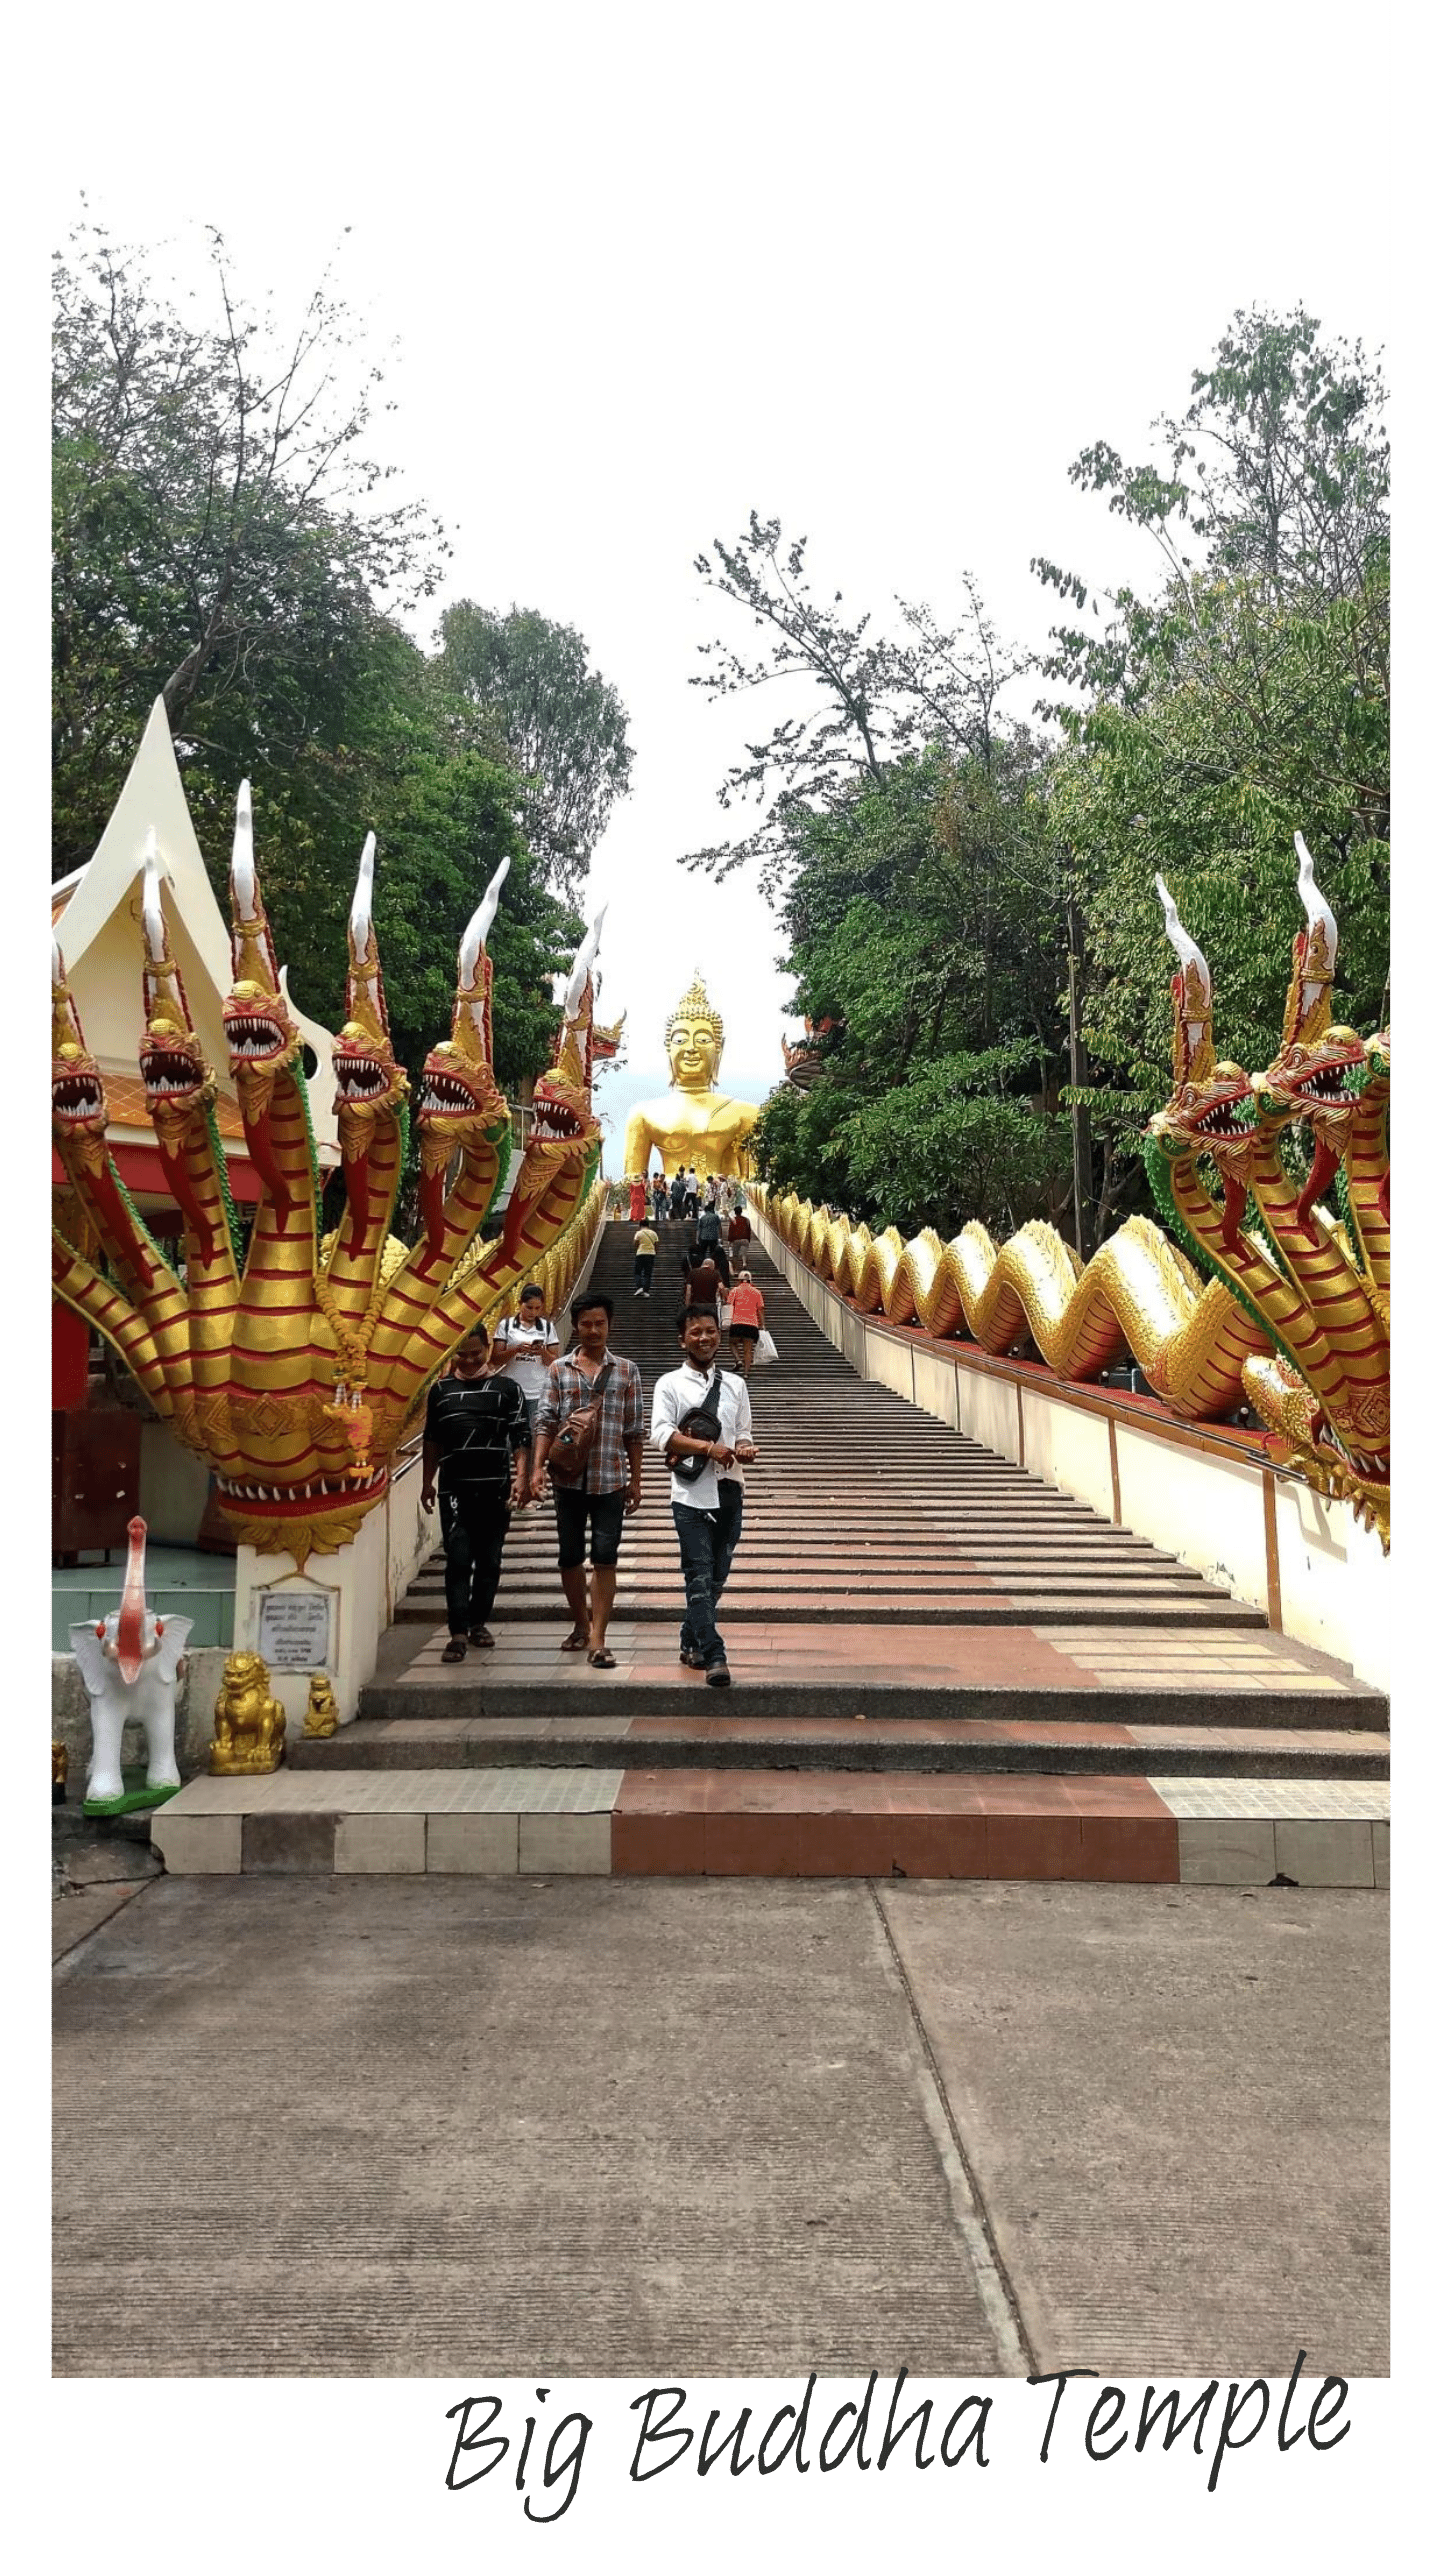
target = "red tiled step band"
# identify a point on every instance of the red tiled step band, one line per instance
(847, 1823)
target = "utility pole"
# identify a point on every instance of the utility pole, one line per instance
(1081, 1136)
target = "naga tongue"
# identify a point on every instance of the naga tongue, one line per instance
(1234, 1202)
(1324, 1165)
(357, 1192)
(262, 1156)
(177, 1174)
(433, 1209)
(130, 1628)
(124, 1242)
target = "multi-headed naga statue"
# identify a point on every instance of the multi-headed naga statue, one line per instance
(1272, 1300)
(295, 1365)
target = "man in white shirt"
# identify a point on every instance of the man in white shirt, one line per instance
(525, 1346)
(707, 1511)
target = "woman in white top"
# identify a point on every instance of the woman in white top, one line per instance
(525, 1346)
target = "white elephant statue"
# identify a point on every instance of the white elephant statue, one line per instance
(130, 1662)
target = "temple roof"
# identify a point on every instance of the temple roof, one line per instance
(95, 915)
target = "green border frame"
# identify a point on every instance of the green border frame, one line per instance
(359, 2466)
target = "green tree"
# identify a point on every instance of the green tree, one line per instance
(221, 538)
(903, 836)
(530, 687)
(1247, 697)
(925, 930)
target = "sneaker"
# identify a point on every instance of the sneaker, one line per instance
(638, 1293)
(718, 1676)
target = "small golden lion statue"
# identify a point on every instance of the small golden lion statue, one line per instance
(322, 1715)
(249, 1722)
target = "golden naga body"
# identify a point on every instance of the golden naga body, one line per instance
(693, 1124)
(249, 1722)
(1289, 1313)
(296, 1366)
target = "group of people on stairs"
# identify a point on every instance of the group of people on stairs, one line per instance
(512, 1414)
(685, 1196)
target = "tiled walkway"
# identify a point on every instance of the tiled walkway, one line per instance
(775, 1822)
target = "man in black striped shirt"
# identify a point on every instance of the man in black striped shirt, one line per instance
(477, 1433)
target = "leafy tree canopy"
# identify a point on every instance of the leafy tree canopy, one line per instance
(1249, 696)
(555, 721)
(943, 870)
(222, 538)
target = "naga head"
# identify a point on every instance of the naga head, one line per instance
(605, 1037)
(460, 1100)
(1200, 1116)
(77, 1096)
(178, 1078)
(369, 1080)
(1312, 1077)
(563, 1124)
(260, 1035)
(371, 1086)
(459, 1096)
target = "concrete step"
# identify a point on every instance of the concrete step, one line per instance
(732, 1822)
(1077, 1604)
(789, 1694)
(836, 1742)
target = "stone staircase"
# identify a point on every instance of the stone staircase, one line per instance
(941, 1666)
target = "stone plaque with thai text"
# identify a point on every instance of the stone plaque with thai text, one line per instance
(295, 1631)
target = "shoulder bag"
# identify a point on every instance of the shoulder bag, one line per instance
(703, 1422)
(570, 1451)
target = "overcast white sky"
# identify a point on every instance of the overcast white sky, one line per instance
(882, 274)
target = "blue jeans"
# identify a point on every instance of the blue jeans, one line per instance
(709, 1540)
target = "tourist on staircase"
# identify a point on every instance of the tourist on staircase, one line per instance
(748, 1315)
(525, 1346)
(660, 1200)
(708, 1237)
(645, 1262)
(701, 1423)
(591, 1431)
(476, 1433)
(678, 1196)
(703, 1284)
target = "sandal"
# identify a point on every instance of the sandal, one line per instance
(455, 1651)
(481, 1636)
(602, 1659)
(577, 1641)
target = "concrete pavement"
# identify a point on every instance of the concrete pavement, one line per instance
(375, 2125)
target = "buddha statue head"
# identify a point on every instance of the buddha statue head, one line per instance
(695, 1036)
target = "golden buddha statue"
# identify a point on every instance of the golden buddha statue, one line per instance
(693, 1124)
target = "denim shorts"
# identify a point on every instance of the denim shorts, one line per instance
(605, 1513)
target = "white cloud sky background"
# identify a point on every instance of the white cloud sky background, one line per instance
(882, 276)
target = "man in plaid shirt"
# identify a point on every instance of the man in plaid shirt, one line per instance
(611, 1485)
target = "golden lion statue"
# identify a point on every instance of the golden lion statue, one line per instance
(322, 1715)
(249, 1722)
